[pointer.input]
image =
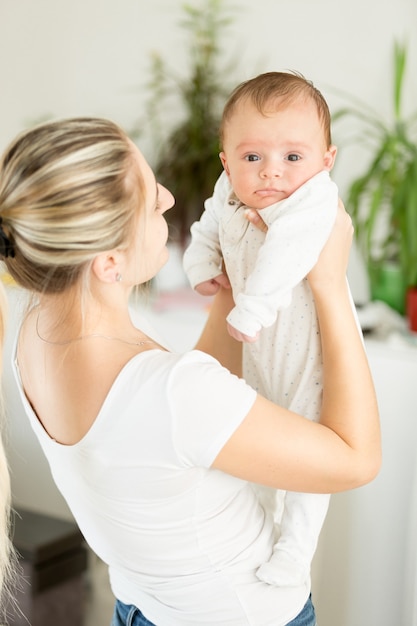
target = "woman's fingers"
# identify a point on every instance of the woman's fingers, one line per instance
(333, 260)
(254, 218)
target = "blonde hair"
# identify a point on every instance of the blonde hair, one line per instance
(277, 89)
(65, 196)
(8, 558)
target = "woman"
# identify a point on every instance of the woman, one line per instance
(153, 450)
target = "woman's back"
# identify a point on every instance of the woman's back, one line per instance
(67, 381)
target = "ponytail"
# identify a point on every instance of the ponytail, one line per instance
(7, 554)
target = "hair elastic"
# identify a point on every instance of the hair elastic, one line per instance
(6, 246)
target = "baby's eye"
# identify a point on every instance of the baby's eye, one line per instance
(252, 157)
(293, 157)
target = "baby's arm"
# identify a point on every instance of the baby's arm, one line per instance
(203, 261)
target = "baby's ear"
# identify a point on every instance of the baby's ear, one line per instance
(223, 159)
(330, 158)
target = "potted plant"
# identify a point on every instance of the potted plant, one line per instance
(383, 200)
(187, 152)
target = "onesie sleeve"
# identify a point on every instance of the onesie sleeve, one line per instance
(298, 228)
(208, 404)
(203, 258)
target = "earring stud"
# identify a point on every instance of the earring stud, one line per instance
(118, 278)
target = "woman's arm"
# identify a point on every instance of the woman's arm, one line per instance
(215, 338)
(275, 447)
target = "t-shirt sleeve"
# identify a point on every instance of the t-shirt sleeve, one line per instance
(208, 404)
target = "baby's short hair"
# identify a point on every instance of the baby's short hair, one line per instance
(277, 88)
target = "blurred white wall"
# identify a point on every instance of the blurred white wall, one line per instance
(91, 57)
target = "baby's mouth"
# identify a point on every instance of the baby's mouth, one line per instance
(268, 192)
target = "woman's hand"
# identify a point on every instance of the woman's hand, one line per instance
(254, 218)
(332, 264)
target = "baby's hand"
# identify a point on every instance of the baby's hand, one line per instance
(211, 287)
(236, 334)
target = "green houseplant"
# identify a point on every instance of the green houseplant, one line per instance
(383, 199)
(187, 155)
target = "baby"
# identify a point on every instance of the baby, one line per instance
(277, 155)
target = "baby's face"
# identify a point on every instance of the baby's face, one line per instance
(267, 157)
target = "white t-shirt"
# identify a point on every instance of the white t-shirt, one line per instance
(182, 541)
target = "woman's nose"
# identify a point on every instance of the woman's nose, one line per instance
(166, 198)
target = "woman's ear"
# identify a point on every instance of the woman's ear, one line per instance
(106, 267)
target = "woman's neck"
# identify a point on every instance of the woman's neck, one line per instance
(70, 315)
